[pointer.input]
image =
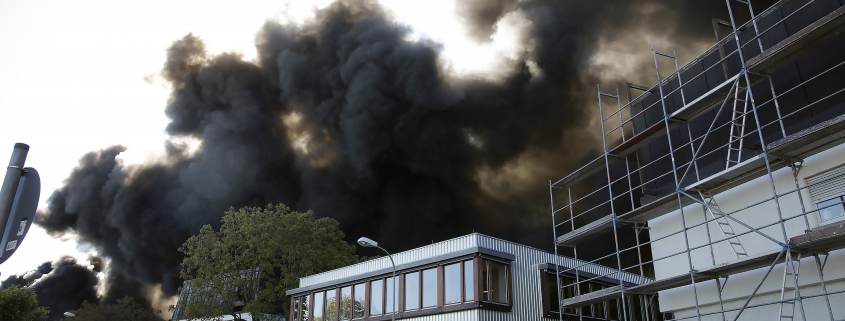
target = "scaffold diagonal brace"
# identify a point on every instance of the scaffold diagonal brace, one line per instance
(732, 218)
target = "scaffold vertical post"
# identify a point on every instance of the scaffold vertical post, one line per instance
(557, 265)
(612, 211)
(677, 182)
(750, 94)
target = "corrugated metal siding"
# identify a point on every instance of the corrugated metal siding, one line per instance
(421, 253)
(525, 273)
(827, 190)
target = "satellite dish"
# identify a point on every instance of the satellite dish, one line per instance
(22, 213)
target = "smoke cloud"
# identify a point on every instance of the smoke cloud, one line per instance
(345, 116)
(61, 286)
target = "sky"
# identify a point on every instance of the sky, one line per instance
(84, 75)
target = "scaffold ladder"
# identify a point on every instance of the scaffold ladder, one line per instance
(737, 130)
(787, 308)
(724, 224)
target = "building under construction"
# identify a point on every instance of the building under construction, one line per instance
(734, 163)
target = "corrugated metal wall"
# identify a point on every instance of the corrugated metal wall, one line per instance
(525, 274)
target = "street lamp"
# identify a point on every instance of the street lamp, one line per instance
(365, 242)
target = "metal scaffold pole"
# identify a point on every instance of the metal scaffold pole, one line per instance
(677, 182)
(750, 96)
(612, 211)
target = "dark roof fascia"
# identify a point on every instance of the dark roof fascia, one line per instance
(587, 275)
(404, 267)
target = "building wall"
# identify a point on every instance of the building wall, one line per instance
(525, 273)
(740, 286)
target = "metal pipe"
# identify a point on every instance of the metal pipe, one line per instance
(11, 181)
(557, 266)
(761, 282)
(762, 140)
(612, 212)
(677, 182)
(824, 289)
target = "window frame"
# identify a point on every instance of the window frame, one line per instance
(547, 277)
(401, 311)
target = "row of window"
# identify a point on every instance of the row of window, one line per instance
(449, 283)
(607, 310)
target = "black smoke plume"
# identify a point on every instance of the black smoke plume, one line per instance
(345, 116)
(62, 286)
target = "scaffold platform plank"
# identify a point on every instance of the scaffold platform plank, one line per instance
(822, 239)
(808, 39)
(656, 208)
(738, 174)
(585, 171)
(595, 227)
(804, 143)
(812, 140)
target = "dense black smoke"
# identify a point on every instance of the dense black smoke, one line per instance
(345, 116)
(61, 286)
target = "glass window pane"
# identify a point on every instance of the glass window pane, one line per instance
(552, 296)
(499, 282)
(346, 303)
(613, 309)
(585, 288)
(376, 297)
(599, 308)
(429, 290)
(469, 291)
(832, 211)
(303, 308)
(391, 290)
(331, 304)
(412, 291)
(568, 289)
(452, 283)
(295, 312)
(358, 305)
(485, 281)
(318, 306)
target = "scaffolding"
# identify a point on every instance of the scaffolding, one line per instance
(761, 139)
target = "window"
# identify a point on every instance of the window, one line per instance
(318, 306)
(607, 310)
(429, 288)
(469, 289)
(295, 309)
(498, 282)
(826, 191)
(485, 285)
(359, 292)
(391, 304)
(831, 208)
(346, 303)
(452, 283)
(303, 308)
(412, 291)
(331, 305)
(377, 297)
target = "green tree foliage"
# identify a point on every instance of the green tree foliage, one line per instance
(125, 309)
(19, 304)
(258, 254)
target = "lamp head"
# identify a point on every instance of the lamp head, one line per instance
(365, 242)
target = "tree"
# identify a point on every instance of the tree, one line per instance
(125, 309)
(19, 304)
(258, 254)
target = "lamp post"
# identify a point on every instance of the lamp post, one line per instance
(365, 242)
